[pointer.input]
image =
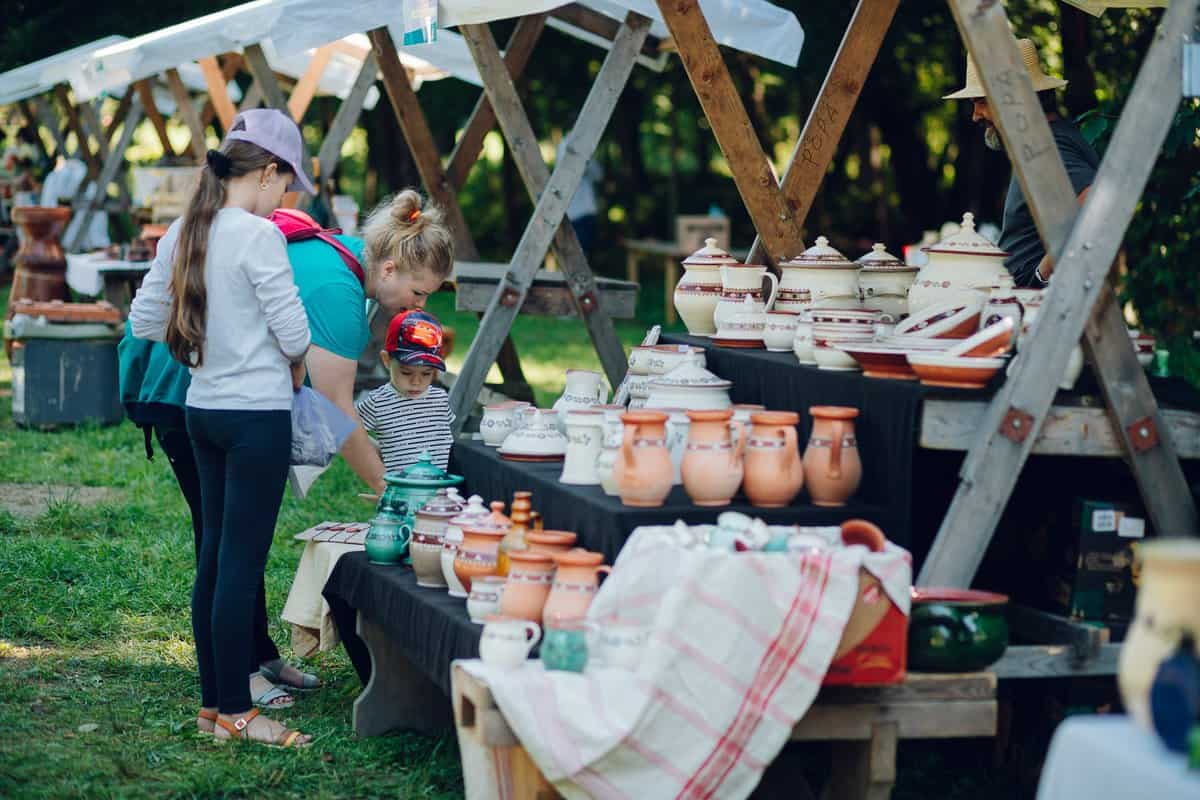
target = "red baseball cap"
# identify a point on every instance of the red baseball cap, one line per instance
(414, 338)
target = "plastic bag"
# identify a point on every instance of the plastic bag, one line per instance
(319, 428)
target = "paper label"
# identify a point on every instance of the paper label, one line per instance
(420, 21)
(1132, 528)
(1104, 520)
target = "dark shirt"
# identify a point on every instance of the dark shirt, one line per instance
(1019, 237)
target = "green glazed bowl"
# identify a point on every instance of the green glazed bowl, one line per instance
(956, 630)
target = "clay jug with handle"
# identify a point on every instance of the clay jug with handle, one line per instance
(643, 470)
(712, 462)
(831, 460)
(774, 473)
(575, 581)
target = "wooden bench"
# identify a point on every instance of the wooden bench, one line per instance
(476, 283)
(864, 725)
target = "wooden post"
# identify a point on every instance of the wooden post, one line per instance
(119, 115)
(268, 84)
(835, 102)
(253, 97)
(1010, 429)
(31, 119)
(75, 125)
(46, 116)
(146, 94)
(107, 173)
(306, 87)
(344, 120)
(187, 111)
(756, 182)
(218, 92)
(552, 203)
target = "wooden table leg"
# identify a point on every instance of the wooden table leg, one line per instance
(398, 695)
(864, 770)
(670, 278)
(631, 266)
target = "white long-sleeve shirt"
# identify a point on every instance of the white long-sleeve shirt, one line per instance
(256, 323)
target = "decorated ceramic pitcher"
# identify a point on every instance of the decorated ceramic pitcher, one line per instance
(774, 473)
(506, 642)
(584, 389)
(643, 471)
(585, 438)
(576, 579)
(831, 460)
(476, 556)
(740, 282)
(530, 576)
(712, 463)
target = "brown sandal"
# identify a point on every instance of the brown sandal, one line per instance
(206, 716)
(237, 730)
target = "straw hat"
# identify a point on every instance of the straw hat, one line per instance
(1041, 80)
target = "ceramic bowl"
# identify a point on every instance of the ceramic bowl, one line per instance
(742, 328)
(956, 319)
(539, 440)
(881, 361)
(780, 331)
(957, 372)
(994, 340)
(665, 357)
(956, 630)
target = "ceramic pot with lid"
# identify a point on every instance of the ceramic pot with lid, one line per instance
(742, 284)
(819, 276)
(432, 519)
(964, 266)
(884, 281)
(474, 512)
(415, 484)
(689, 387)
(742, 327)
(699, 290)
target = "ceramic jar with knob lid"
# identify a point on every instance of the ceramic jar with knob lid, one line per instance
(964, 266)
(699, 290)
(883, 282)
(820, 276)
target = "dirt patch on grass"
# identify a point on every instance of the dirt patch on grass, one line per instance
(30, 500)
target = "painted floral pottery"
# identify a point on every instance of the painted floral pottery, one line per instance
(831, 462)
(550, 542)
(961, 267)
(956, 630)
(619, 645)
(506, 642)
(585, 437)
(699, 290)
(643, 471)
(663, 358)
(613, 431)
(415, 484)
(689, 387)
(835, 327)
(773, 471)
(41, 264)
(954, 372)
(741, 290)
(954, 319)
(990, 342)
(474, 512)
(484, 599)
(388, 538)
(1167, 610)
(883, 282)
(540, 439)
(584, 389)
(564, 646)
(820, 276)
(779, 330)
(802, 342)
(497, 423)
(742, 327)
(575, 583)
(1002, 303)
(513, 541)
(712, 464)
(530, 576)
(878, 360)
(477, 555)
(430, 529)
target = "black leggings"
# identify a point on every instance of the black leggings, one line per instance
(173, 439)
(242, 460)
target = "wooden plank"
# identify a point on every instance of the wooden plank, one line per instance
(107, 173)
(917, 687)
(49, 120)
(398, 695)
(187, 111)
(1066, 431)
(835, 102)
(31, 119)
(92, 127)
(775, 222)
(268, 84)
(419, 137)
(993, 465)
(119, 115)
(602, 25)
(934, 719)
(618, 299)
(253, 98)
(346, 118)
(306, 86)
(75, 125)
(516, 55)
(217, 79)
(864, 770)
(1054, 661)
(146, 96)
(1042, 627)
(552, 197)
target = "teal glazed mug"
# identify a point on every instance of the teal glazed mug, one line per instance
(564, 644)
(388, 537)
(956, 630)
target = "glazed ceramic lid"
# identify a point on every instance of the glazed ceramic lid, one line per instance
(709, 256)
(475, 510)
(487, 526)
(821, 256)
(442, 505)
(424, 473)
(880, 260)
(690, 376)
(578, 557)
(967, 242)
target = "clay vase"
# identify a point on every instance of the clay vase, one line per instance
(831, 460)
(41, 265)
(530, 576)
(550, 542)
(426, 549)
(477, 555)
(643, 469)
(514, 539)
(712, 463)
(774, 473)
(575, 583)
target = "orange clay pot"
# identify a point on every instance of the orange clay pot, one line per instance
(774, 473)
(477, 555)
(712, 463)
(550, 542)
(530, 576)
(831, 459)
(643, 472)
(575, 581)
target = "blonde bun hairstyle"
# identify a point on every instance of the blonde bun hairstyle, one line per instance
(413, 234)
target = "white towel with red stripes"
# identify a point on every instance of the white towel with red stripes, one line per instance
(740, 643)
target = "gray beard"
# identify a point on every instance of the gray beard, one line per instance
(991, 138)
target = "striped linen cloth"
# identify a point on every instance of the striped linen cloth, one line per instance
(740, 643)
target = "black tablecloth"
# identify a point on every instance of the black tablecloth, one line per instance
(602, 522)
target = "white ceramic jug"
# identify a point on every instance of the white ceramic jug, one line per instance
(585, 436)
(739, 282)
(506, 642)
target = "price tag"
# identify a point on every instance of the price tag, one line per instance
(1132, 528)
(1104, 520)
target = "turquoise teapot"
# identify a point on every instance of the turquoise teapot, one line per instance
(414, 485)
(387, 539)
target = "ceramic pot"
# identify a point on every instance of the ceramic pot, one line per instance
(819, 276)
(779, 331)
(428, 532)
(691, 388)
(506, 642)
(643, 467)
(741, 284)
(484, 599)
(565, 646)
(475, 511)
(584, 389)
(530, 576)
(802, 342)
(831, 461)
(497, 423)
(956, 630)
(576, 577)
(742, 327)
(774, 473)
(699, 290)
(613, 430)
(621, 646)
(585, 437)
(477, 555)
(388, 537)
(1167, 610)
(840, 326)
(961, 267)
(41, 264)
(712, 463)
(884, 281)
(550, 542)
(414, 485)
(539, 440)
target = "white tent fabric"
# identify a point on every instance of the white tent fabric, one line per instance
(42, 75)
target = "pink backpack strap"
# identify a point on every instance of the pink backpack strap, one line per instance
(298, 226)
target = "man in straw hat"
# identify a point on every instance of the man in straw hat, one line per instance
(1027, 259)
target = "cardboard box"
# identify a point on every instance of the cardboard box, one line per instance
(1093, 576)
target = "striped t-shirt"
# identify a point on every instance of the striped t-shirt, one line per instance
(406, 426)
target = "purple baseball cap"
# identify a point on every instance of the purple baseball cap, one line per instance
(275, 132)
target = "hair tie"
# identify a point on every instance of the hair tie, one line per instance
(413, 216)
(219, 163)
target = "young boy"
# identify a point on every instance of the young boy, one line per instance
(409, 415)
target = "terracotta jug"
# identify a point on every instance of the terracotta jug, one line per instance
(41, 265)
(476, 556)
(774, 473)
(831, 460)
(575, 581)
(712, 463)
(530, 576)
(643, 469)
(550, 542)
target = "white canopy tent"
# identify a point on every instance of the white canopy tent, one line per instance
(38, 77)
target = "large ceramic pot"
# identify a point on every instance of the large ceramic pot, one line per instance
(964, 266)
(774, 473)
(819, 276)
(477, 555)
(956, 630)
(689, 387)
(699, 290)
(576, 578)
(643, 467)
(831, 461)
(884, 281)
(1167, 611)
(712, 463)
(585, 437)
(475, 512)
(584, 389)
(414, 485)
(428, 532)
(530, 576)
(741, 290)
(388, 537)
(41, 265)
